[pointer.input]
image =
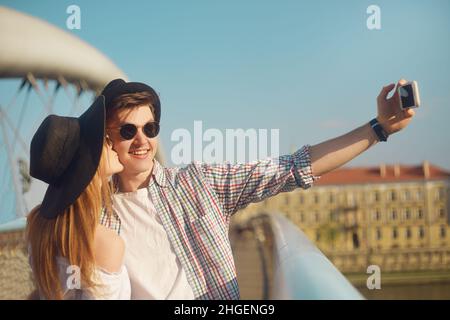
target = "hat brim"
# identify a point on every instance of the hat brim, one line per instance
(60, 195)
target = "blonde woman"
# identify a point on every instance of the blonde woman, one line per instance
(72, 255)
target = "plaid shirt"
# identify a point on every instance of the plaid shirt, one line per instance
(195, 204)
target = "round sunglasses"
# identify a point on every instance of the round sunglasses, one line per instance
(128, 131)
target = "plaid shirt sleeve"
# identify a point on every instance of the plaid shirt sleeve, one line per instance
(238, 185)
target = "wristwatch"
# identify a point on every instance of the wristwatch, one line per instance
(379, 131)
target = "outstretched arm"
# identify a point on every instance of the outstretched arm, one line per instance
(333, 153)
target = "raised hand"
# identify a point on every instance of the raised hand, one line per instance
(390, 116)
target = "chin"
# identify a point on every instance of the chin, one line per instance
(140, 169)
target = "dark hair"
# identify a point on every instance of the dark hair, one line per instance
(131, 100)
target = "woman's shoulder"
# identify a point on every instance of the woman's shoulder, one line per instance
(109, 249)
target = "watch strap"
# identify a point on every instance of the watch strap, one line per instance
(378, 129)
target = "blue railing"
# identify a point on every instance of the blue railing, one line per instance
(301, 270)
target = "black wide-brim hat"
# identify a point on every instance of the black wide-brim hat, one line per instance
(118, 87)
(65, 153)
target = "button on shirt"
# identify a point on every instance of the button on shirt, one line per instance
(155, 271)
(195, 205)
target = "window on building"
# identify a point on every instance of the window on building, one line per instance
(420, 213)
(419, 194)
(441, 213)
(376, 196)
(440, 194)
(331, 198)
(351, 199)
(355, 240)
(408, 214)
(443, 232)
(393, 214)
(302, 217)
(407, 195)
(392, 195)
(421, 232)
(394, 233)
(379, 234)
(316, 198)
(317, 236)
(301, 199)
(377, 215)
(316, 216)
(286, 199)
(333, 215)
(408, 233)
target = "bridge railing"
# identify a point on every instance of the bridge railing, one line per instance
(301, 271)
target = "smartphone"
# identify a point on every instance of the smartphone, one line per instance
(409, 95)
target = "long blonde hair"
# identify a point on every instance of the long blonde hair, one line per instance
(69, 235)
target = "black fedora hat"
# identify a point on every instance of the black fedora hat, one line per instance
(118, 87)
(65, 153)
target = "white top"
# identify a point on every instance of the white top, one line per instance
(114, 286)
(155, 271)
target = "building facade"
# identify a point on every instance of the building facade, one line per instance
(393, 216)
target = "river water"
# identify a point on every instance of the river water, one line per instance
(435, 291)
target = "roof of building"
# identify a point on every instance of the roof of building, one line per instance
(383, 174)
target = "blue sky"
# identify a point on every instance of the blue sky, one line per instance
(309, 68)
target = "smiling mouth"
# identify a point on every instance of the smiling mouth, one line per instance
(139, 152)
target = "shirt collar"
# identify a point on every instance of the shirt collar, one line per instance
(159, 174)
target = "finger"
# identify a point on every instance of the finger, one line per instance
(408, 113)
(401, 82)
(385, 91)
